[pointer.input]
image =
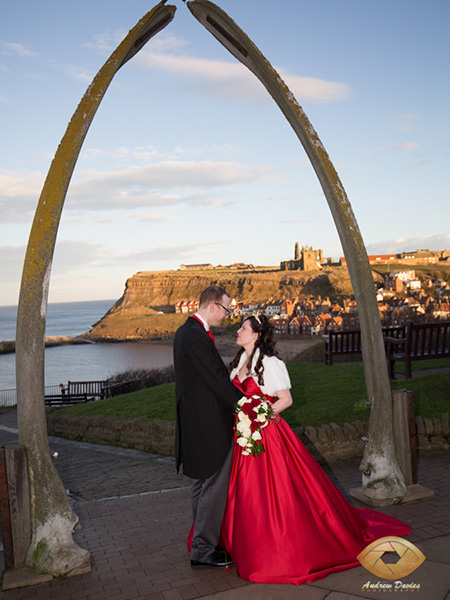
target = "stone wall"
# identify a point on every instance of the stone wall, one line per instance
(156, 437)
(433, 433)
(328, 442)
(332, 442)
(336, 443)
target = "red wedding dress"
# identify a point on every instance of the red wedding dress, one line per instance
(285, 522)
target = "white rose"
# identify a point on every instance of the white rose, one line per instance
(261, 418)
(243, 419)
(242, 441)
(244, 428)
(241, 427)
(256, 435)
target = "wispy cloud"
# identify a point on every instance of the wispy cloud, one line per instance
(71, 255)
(405, 122)
(167, 42)
(118, 217)
(295, 221)
(123, 154)
(166, 253)
(230, 79)
(11, 262)
(106, 42)
(19, 49)
(423, 164)
(161, 184)
(401, 244)
(302, 161)
(312, 89)
(406, 147)
(210, 76)
(158, 184)
(154, 217)
(13, 185)
(73, 71)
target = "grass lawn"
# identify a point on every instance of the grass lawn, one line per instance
(322, 394)
(337, 394)
(424, 365)
(156, 403)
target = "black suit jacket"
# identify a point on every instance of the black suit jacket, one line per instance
(205, 400)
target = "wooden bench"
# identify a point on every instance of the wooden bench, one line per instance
(94, 389)
(423, 341)
(338, 343)
(66, 399)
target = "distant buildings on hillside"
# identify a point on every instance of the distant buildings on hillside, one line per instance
(403, 298)
(199, 267)
(418, 257)
(308, 259)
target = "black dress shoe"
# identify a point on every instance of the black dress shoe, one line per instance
(216, 560)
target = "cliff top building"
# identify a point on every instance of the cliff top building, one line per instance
(305, 260)
(196, 267)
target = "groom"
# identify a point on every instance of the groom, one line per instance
(205, 400)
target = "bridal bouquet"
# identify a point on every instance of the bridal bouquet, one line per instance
(252, 415)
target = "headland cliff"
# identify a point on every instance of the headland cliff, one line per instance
(146, 309)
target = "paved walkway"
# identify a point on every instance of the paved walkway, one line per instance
(135, 513)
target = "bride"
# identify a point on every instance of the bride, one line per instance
(285, 522)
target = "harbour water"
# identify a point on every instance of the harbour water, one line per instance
(86, 362)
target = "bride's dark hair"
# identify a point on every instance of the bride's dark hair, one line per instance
(265, 343)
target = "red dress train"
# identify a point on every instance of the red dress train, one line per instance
(285, 522)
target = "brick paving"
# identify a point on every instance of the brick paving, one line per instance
(135, 512)
(91, 471)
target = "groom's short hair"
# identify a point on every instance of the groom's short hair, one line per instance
(212, 293)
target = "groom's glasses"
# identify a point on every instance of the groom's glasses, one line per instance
(227, 311)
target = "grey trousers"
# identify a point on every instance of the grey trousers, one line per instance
(209, 497)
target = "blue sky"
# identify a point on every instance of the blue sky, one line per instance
(189, 160)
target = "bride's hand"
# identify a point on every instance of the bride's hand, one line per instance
(283, 401)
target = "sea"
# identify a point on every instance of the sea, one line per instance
(84, 362)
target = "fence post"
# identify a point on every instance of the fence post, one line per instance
(405, 434)
(5, 515)
(15, 518)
